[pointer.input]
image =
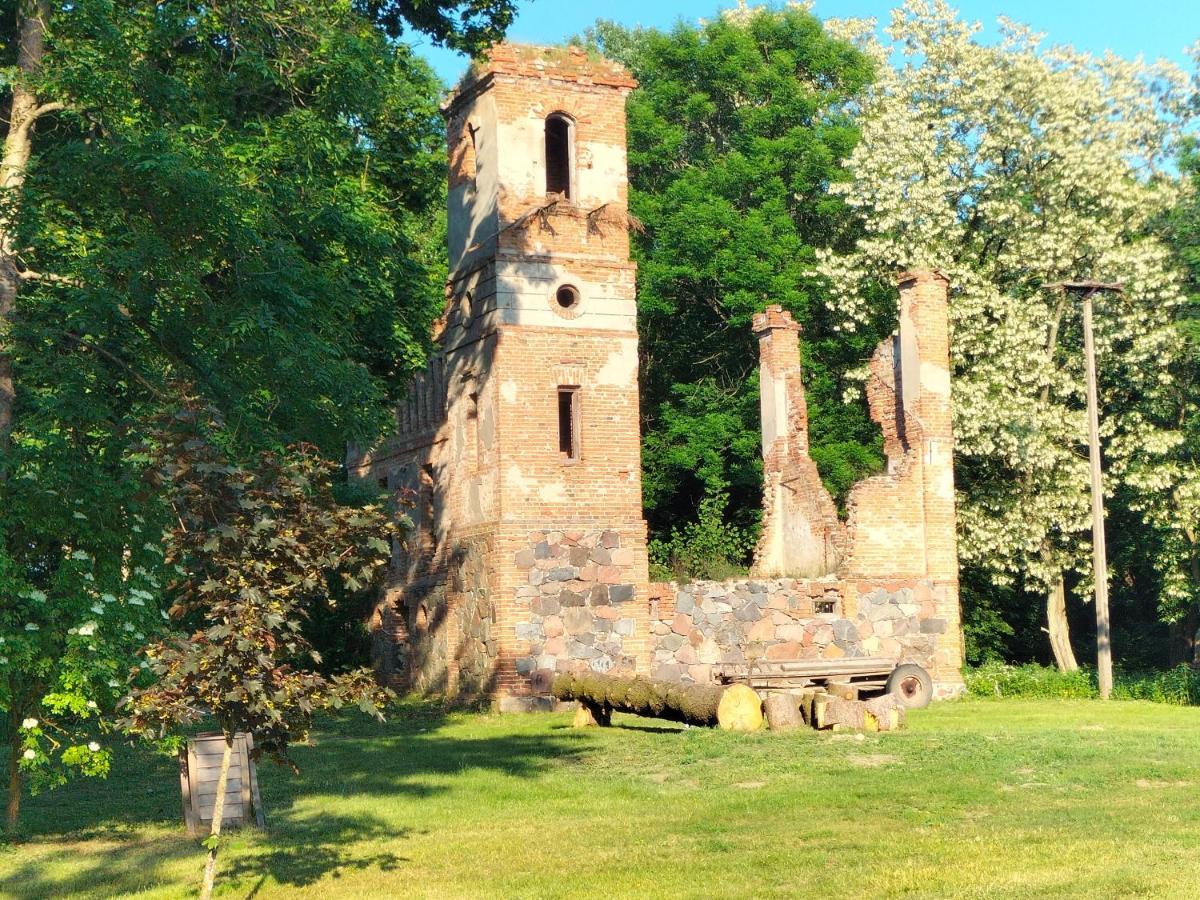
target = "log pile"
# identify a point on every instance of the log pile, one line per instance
(733, 707)
(838, 710)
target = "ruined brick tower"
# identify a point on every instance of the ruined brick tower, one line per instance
(520, 445)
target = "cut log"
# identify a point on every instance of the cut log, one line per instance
(888, 712)
(820, 703)
(736, 707)
(849, 713)
(782, 711)
(739, 709)
(842, 689)
(585, 717)
(807, 698)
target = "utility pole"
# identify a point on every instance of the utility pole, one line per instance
(1085, 290)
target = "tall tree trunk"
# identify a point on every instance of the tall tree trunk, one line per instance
(1184, 648)
(1057, 627)
(18, 146)
(12, 811)
(214, 834)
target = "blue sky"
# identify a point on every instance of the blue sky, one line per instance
(1151, 28)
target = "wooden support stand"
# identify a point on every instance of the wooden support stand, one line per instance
(199, 768)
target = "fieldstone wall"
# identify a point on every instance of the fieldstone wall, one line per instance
(477, 647)
(576, 609)
(701, 626)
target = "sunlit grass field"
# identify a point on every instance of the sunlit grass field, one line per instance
(975, 799)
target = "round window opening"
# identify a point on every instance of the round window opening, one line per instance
(567, 296)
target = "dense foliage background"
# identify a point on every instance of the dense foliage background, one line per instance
(238, 201)
(735, 134)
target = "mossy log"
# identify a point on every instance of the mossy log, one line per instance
(735, 707)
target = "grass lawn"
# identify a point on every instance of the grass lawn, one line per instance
(975, 799)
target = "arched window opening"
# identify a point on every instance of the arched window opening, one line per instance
(559, 133)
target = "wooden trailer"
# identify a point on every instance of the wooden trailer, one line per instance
(850, 676)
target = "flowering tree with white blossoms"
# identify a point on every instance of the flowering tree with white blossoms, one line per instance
(1012, 168)
(1168, 491)
(79, 594)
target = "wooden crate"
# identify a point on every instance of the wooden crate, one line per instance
(199, 770)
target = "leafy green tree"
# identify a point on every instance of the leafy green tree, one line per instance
(236, 196)
(735, 132)
(256, 546)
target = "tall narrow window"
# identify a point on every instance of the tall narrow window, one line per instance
(568, 423)
(558, 155)
(473, 428)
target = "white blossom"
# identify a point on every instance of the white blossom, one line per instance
(94, 747)
(29, 723)
(29, 754)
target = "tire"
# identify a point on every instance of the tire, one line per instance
(911, 684)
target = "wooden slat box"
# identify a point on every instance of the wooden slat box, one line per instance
(199, 770)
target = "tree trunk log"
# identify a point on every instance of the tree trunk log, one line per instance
(842, 689)
(782, 711)
(1182, 649)
(214, 834)
(1058, 628)
(736, 707)
(32, 16)
(589, 715)
(888, 712)
(12, 813)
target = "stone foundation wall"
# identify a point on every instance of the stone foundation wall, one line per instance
(701, 626)
(477, 646)
(576, 609)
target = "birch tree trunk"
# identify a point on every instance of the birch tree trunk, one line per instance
(214, 834)
(1057, 627)
(32, 16)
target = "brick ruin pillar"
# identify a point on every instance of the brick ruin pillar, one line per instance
(801, 534)
(925, 390)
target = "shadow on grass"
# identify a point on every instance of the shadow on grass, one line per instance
(650, 729)
(307, 837)
(300, 851)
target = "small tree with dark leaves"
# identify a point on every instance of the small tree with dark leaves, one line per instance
(254, 547)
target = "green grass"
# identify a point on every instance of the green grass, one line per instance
(1060, 798)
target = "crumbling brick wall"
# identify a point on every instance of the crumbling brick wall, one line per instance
(900, 525)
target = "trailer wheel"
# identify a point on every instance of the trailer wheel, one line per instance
(911, 684)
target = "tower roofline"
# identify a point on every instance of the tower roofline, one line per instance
(572, 64)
